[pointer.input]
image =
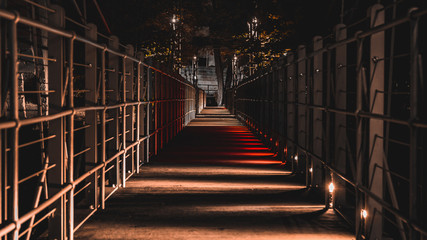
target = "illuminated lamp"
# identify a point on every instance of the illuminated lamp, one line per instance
(364, 213)
(331, 187)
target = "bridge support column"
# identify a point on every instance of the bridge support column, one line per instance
(91, 97)
(57, 154)
(361, 140)
(416, 104)
(376, 126)
(317, 117)
(340, 130)
(114, 98)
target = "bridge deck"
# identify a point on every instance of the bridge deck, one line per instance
(214, 181)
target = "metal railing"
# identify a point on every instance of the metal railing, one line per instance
(348, 113)
(108, 112)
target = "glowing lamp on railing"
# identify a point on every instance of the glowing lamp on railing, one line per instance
(271, 139)
(310, 170)
(331, 187)
(296, 157)
(364, 213)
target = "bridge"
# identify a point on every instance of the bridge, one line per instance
(328, 141)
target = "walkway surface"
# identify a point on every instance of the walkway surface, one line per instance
(215, 180)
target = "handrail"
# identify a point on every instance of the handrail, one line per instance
(133, 103)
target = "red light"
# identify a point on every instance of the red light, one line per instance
(271, 139)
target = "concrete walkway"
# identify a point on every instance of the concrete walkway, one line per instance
(214, 181)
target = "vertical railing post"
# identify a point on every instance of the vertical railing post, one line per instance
(103, 128)
(70, 140)
(13, 169)
(340, 129)
(139, 120)
(376, 126)
(56, 151)
(156, 113)
(148, 115)
(114, 98)
(124, 111)
(3, 81)
(317, 117)
(282, 106)
(91, 98)
(413, 131)
(328, 120)
(276, 90)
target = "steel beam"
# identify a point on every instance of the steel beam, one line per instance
(413, 131)
(56, 177)
(376, 127)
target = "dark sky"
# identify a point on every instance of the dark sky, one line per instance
(132, 20)
(140, 22)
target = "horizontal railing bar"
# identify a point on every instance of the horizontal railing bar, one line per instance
(34, 57)
(83, 188)
(36, 141)
(36, 173)
(50, 213)
(109, 139)
(14, 225)
(81, 128)
(111, 193)
(40, 6)
(81, 64)
(83, 151)
(77, 23)
(108, 169)
(36, 91)
(130, 175)
(85, 219)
